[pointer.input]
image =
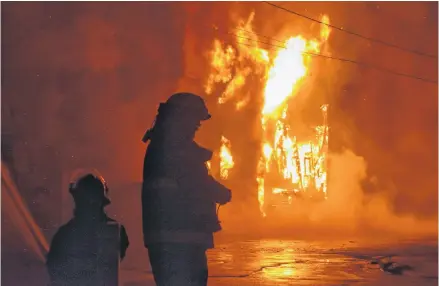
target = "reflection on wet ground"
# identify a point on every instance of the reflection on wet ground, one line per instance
(280, 262)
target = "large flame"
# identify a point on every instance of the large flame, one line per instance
(287, 69)
(300, 164)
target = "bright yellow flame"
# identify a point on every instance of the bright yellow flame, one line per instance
(226, 162)
(235, 83)
(301, 163)
(250, 49)
(225, 63)
(287, 69)
(222, 64)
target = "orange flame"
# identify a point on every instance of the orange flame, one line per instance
(226, 162)
(302, 164)
(287, 69)
(325, 31)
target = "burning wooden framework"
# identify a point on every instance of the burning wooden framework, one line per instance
(285, 163)
(296, 168)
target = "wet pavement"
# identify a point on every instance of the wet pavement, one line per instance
(283, 262)
(241, 261)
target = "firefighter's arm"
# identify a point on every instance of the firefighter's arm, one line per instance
(218, 192)
(204, 186)
(195, 176)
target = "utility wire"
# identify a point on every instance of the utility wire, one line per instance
(382, 69)
(354, 33)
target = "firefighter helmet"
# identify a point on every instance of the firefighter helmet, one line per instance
(91, 189)
(189, 104)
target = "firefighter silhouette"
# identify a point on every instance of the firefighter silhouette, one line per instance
(179, 197)
(73, 258)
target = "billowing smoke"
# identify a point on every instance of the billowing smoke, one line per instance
(348, 212)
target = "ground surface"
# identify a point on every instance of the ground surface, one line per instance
(271, 262)
(283, 262)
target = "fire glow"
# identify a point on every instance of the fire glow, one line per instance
(226, 162)
(286, 164)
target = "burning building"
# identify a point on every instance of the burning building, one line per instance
(289, 158)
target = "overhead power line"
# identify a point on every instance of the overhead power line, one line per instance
(354, 33)
(367, 65)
